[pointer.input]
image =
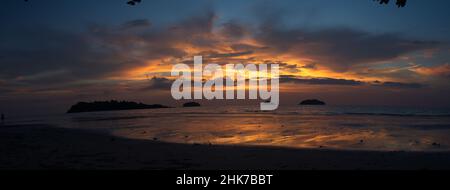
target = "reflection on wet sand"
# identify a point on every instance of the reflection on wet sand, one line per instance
(286, 129)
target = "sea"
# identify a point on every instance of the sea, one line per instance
(358, 128)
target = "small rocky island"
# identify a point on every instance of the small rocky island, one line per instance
(112, 105)
(312, 102)
(191, 104)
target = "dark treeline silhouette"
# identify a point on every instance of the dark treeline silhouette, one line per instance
(313, 102)
(191, 104)
(112, 105)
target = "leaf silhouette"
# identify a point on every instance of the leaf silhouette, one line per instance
(399, 3)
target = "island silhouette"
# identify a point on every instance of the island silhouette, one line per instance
(313, 102)
(191, 104)
(112, 105)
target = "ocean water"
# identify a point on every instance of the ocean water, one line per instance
(317, 127)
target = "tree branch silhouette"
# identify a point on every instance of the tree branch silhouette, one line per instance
(133, 2)
(399, 3)
(130, 2)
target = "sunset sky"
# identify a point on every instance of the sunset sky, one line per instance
(54, 53)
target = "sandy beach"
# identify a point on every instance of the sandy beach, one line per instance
(47, 147)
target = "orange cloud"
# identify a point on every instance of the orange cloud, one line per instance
(440, 70)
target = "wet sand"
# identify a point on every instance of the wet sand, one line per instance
(47, 147)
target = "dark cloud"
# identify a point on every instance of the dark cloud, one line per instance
(197, 24)
(196, 31)
(245, 47)
(38, 51)
(292, 68)
(158, 83)
(225, 55)
(309, 66)
(399, 85)
(346, 82)
(43, 59)
(43, 55)
(63, 56)
(138, 23)
(234, 30)
(339, 48)
(319, 81)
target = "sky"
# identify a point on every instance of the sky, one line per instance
(54, 53)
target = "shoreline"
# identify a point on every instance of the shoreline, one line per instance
(40, 147)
